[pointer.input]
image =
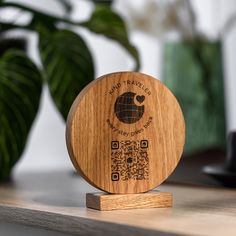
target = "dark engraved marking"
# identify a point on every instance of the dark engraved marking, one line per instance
(130, 160)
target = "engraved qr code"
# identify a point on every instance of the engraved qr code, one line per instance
(129, 160)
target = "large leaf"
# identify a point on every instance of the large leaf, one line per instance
(68, 66)
(10, 43)
(20, 90)
(66, 5)
(106, 22)
(108, 2)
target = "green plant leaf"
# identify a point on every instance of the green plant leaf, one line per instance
(10, 43)
(66, 5)
(106, 22)
(68, 66)
(108, 2)
(20, 90)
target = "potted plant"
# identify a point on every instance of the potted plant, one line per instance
(67, 67)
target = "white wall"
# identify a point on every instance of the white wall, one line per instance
(46, 147)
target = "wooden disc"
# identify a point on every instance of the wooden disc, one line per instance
(125, 133)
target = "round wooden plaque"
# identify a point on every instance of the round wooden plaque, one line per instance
(125, 132)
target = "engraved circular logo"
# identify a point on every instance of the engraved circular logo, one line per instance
(128, 107)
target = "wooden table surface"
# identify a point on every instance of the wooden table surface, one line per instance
(56, 200)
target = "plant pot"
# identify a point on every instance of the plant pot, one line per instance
(194, 73)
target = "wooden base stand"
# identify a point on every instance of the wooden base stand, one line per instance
(106, 202)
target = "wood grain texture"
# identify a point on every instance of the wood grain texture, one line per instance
(107, 202)
(55, 200)
(125, 133)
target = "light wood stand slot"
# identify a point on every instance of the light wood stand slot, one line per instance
(105, 202)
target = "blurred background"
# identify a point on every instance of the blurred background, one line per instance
(189, 45)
